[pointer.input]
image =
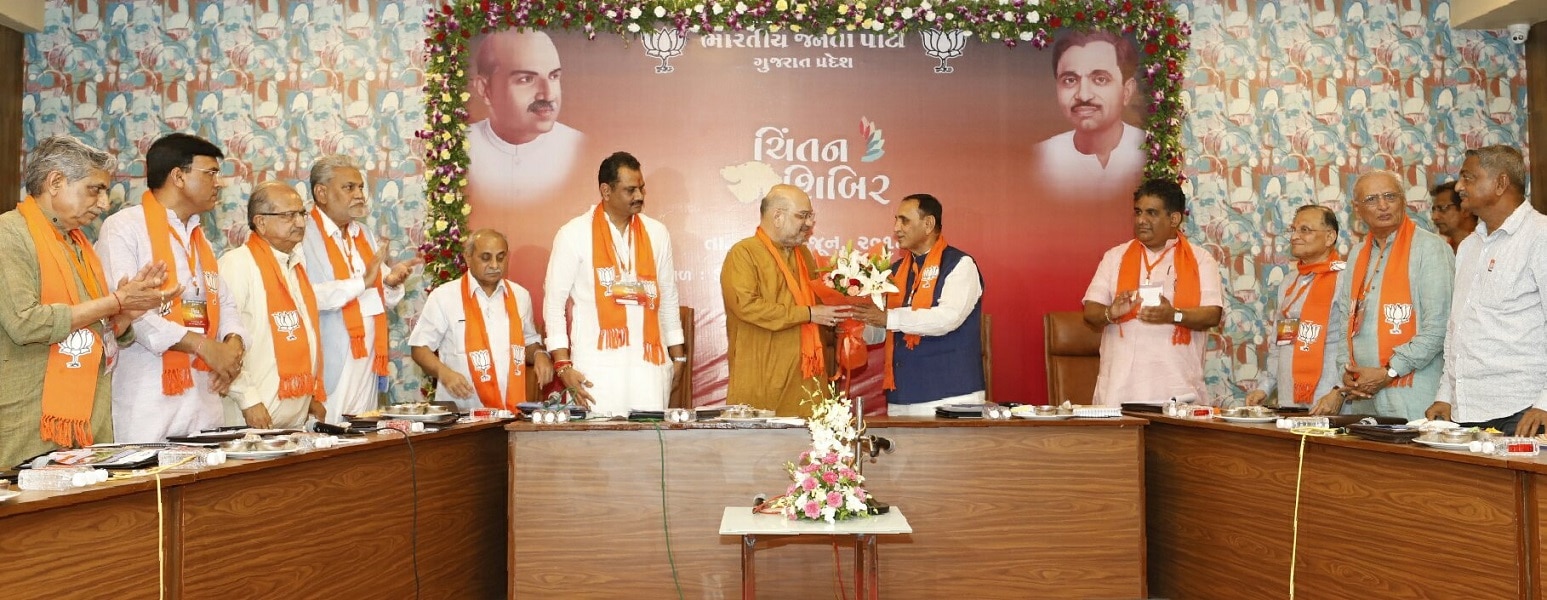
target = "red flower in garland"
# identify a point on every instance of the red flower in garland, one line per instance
(1151, 48)
(1055, 22)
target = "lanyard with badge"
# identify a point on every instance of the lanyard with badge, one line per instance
(1365, 286)
(195, 311)
(1149, 290)
(623, 286)
(1289, 329)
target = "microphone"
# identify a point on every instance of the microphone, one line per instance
(758, 501)
(885, 444)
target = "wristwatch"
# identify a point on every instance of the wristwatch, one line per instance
(1176, 317)
(1390, 372)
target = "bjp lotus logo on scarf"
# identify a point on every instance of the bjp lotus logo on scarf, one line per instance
(481, 361)
(930, 275)
(212, 281)
(517, 358)
(1308, 333)
(1398, 315)
(606, 275)
(75, 346)
(287, 321)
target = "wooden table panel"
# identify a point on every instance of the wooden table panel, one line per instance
(108, 546)
(1373, 523)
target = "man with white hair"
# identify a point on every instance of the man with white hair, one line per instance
(1400, 282)
(354, 290)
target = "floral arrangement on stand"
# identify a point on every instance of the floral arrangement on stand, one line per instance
(854, 277)
(825, 485)
(450, 27)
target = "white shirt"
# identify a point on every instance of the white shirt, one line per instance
(141, 413)
(259, 380)
(571, 276)
(505, 173)
(958, 295)
(1495, 356)
(1058, 166)
(442, 328)
(333, 294)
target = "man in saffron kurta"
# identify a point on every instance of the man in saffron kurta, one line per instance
(1400, 281)
(186, 353)
(60, 329)
(281, 380)
(780, 338)
(612, 265)
(1153, 298)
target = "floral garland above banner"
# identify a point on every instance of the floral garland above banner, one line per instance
(450, 29)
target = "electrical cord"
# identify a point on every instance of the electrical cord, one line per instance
(665, 523)
(413, 477)
(1294, 543)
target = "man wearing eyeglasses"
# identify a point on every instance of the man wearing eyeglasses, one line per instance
(1310, 320)
(1399, 301)
(1495, 366)
(281, 380)
(186, 354)
(1451, 220)
(355, 286)
(780, 336)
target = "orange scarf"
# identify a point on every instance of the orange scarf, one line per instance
(1187, 292)
(299, 369)
(922, 294)
(70, 379)
(475, 341)
(800, 288)
(354, 323)
(1396, 297)
(1307, 357)
(612, 317)
(175, 374)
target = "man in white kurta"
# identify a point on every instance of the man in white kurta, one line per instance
(184, 178)
(520, 152)
(278, 216)
(617, 379)
(442, 328)
(338, 189)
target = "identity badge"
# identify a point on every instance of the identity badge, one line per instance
(1288, 329)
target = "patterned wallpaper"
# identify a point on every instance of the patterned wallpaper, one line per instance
(1290, 100)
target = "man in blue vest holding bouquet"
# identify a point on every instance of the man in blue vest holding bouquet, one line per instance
(934, 322)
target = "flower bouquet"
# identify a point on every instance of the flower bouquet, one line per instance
(825, 486)
(853, 278)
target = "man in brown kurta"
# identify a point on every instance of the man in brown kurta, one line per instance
(764, 319)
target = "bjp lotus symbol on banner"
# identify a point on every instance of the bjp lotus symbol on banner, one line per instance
(944, 45)
(664, 45)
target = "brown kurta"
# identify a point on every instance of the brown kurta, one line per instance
(762, 321)
(27, 332)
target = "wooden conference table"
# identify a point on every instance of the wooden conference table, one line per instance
(1377, 520)
(1013, 509)
(334, 523)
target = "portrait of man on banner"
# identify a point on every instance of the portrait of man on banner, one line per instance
(518, 153)
(1095, 85)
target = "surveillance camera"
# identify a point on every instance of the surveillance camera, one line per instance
(1518, 33)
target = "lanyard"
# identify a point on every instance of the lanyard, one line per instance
(1293, 296)
(195, 272)
(1149, 267)
(612, 247)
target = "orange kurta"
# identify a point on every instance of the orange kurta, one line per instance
(763, 322)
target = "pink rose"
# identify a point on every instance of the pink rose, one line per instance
(834, 499)
(813, 509)
(846, 472)
(853, 290)
(831, 458)
(830, 477)
(809, 484)
(809, 467)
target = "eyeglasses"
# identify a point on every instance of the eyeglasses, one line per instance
(293, 214)
(1442, 208)
(805, 215)
(212, 172)
(1386, 198)
(1302, 231)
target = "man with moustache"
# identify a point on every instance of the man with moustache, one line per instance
(780, 337)
(481, 323)
(281, 380)
(934, 344)
(1102, 156)
(185, 354)
(520, 151)
(353, 292)
(1451, 220)
(1310, 345)
(1152, 298)
(624, 345)
(1399, 301)
(1495, 372)
(60, 327)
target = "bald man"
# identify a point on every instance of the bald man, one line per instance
(1400, 281)
(478, 334)
(521, 151)
(280, 384)
(780, 338)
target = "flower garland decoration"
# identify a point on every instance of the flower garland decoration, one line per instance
(449, 28)
(825, 486)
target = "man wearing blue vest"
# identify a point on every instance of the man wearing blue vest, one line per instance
(933, 324)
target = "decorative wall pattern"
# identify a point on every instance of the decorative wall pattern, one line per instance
(1290, 100)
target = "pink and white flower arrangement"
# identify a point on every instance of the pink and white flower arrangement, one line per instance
(860, 274)
(825, 485)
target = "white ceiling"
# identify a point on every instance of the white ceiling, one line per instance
(1496, 14)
